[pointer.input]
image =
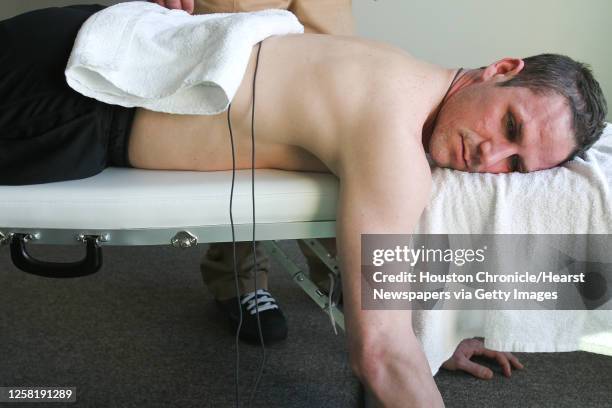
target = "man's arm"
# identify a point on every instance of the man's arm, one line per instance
(328, 17)
(325, 16)
(317, 16)
(384, 186)
(186, 5)
(235, 6)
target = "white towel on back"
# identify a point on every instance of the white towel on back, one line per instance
(141, 54)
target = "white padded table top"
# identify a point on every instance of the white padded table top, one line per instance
(121, 198)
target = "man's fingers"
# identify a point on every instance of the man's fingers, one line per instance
(515, 361)
(477, 370)
(475, 347)
(188, 6)
(174, 4)
(501, 358)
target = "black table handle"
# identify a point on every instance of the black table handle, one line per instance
(89, 265)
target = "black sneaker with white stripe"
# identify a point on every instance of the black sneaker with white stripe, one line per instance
(273, 322)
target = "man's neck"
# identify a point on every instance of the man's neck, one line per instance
(455, 80)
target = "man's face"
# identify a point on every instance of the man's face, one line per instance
(491, 129)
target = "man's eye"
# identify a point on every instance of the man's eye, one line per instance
(511, 127)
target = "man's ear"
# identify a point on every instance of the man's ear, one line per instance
(506, 68)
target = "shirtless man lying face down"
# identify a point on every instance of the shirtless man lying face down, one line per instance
(368, 113)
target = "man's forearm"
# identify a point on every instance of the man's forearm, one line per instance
(383, 350)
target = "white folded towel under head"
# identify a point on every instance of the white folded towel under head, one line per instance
(575, 198)
(141, 54)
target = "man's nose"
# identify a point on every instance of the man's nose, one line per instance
(493, 152)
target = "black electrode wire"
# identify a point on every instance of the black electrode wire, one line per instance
(263, 347)
(237, 341)
(261, 340)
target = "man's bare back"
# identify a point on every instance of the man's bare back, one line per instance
(315, 96)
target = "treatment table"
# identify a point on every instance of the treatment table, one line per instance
(127, 207)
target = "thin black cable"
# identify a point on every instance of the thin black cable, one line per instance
(263, 347)
(435, 119)
(261, 340)
(237, 342)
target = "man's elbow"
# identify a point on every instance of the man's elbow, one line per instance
(365, 359)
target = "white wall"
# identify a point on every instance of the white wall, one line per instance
(472, 33)
(468, 33)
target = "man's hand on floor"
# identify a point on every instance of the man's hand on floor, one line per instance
(469, 348)
(186, 5)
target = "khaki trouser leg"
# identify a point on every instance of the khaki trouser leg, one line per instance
(218, 271)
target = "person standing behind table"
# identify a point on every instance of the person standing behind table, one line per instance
(318, 16)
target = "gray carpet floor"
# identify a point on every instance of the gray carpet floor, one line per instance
(144, 332)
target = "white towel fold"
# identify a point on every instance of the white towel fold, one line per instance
(141, 54)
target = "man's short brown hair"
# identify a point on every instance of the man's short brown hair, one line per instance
(574, 81)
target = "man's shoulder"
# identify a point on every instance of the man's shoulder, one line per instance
(386, 151)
